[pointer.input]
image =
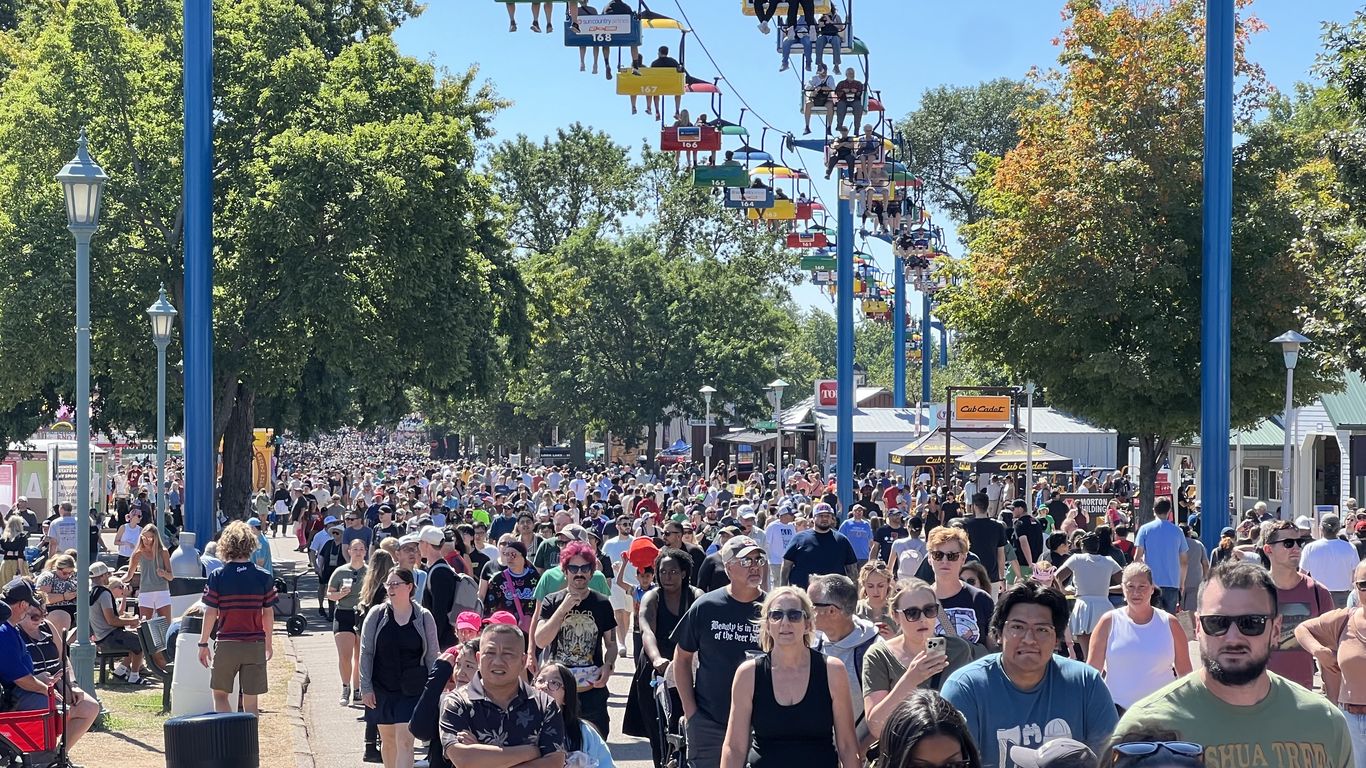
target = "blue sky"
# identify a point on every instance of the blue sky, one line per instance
(914, 46)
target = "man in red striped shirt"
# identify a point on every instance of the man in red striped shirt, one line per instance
(239, 611)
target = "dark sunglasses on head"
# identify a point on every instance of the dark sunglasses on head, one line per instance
(793, 615)
(952, 556)
(1146, 748)
(1250, 625)
(913, 613)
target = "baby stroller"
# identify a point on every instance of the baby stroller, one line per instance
(673, 743)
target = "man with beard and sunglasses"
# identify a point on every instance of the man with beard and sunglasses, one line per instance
(1298, 598)
(1241, 713)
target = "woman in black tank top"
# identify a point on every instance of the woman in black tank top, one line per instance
(660, 610)
(792, 703)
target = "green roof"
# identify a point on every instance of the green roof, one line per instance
(1347, 408)
(1264, 434)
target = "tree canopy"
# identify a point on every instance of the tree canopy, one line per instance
(1085, 272)
(356, 253)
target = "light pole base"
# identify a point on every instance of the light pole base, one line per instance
(83, 663)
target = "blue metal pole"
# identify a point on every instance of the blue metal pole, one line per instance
(899, 339)
(844, 359)
(200, 450)
(82, 650)
(926, 347)
(1216, 284)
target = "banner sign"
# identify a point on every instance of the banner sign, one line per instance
(1093, 505)
(596, 31)
(981, 410)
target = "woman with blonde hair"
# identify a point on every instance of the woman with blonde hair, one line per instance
(12, 544)
(152, 564)
(57, 582)
(1138, 648)
(874, 584)
(896, 668)
(792, 703)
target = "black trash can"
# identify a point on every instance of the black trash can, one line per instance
(227, 740)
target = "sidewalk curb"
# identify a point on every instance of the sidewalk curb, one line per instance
(294, 707)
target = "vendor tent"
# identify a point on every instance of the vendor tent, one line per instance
(1009, 452)
(928, 450)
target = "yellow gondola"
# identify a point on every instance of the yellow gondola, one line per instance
(652, 81)
(782, 210)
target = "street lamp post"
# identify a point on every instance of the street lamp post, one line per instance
(778, 385)
(1290, 348)
(707, 391)
(1028, 495)
(83, 188)
(162, 316)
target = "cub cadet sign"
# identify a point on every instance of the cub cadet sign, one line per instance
(976, 410)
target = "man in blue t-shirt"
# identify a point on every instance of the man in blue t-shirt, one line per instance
(1163, 547)
(1025, 695)
(20, 689)
(859, 533)
(819, 551)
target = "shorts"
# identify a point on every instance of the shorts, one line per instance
(29, 701)
(241, 661)
(154, 600)
(68, 608)
(120, 640)
(343, 620)
(392, 708)
(704, 741)
(621, 601)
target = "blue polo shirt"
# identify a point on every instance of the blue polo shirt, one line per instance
(15, 663)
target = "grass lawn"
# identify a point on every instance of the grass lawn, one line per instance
(131, 731)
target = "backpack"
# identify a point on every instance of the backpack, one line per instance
(466, 593)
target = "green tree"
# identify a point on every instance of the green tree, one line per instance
(1324, 129)
(1085, 274)
(580, 179)
(953, 129)
(349, 233)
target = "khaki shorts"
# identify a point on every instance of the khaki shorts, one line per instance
(245, 662)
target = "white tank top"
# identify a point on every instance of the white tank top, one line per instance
(1139, 658)
(129, 541)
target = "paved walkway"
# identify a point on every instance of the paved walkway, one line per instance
(336, 734)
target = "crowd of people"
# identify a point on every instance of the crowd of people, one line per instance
(482, 608)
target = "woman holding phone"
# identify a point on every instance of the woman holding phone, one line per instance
(343, 588)
(894, 668)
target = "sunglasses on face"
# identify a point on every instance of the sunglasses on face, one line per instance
(913, 613)
(1361, 585)
(749, 562)
(1251, 625)
(1291, 543)
(578, 569)
(392, 584)
(952, 556)
(793, 615)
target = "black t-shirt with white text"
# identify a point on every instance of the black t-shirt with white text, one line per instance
(578, 644)
(723, 632)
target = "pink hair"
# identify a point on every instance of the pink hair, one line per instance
(578, 549)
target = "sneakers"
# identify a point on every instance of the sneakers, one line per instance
(511, 28)
(355, 696)
(784, 67)
(134, 678)
(535, 26)
(372, 754)
(763, 27)
(346, 695)
(120, 669)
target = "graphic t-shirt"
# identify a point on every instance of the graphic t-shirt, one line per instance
(1291, 727)
(578, 644)
(1306, 600)
(500, 598)
(778, 537)
(860, 536)
(1070, 702)
(885, 537)
(970, 611)
(723, 632)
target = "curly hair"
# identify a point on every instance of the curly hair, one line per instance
(237, 541)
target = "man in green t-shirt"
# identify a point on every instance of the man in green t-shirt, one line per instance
(1242, 714)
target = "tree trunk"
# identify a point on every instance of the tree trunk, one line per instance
(578, 449)
(237, 453)
(1151, 451)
